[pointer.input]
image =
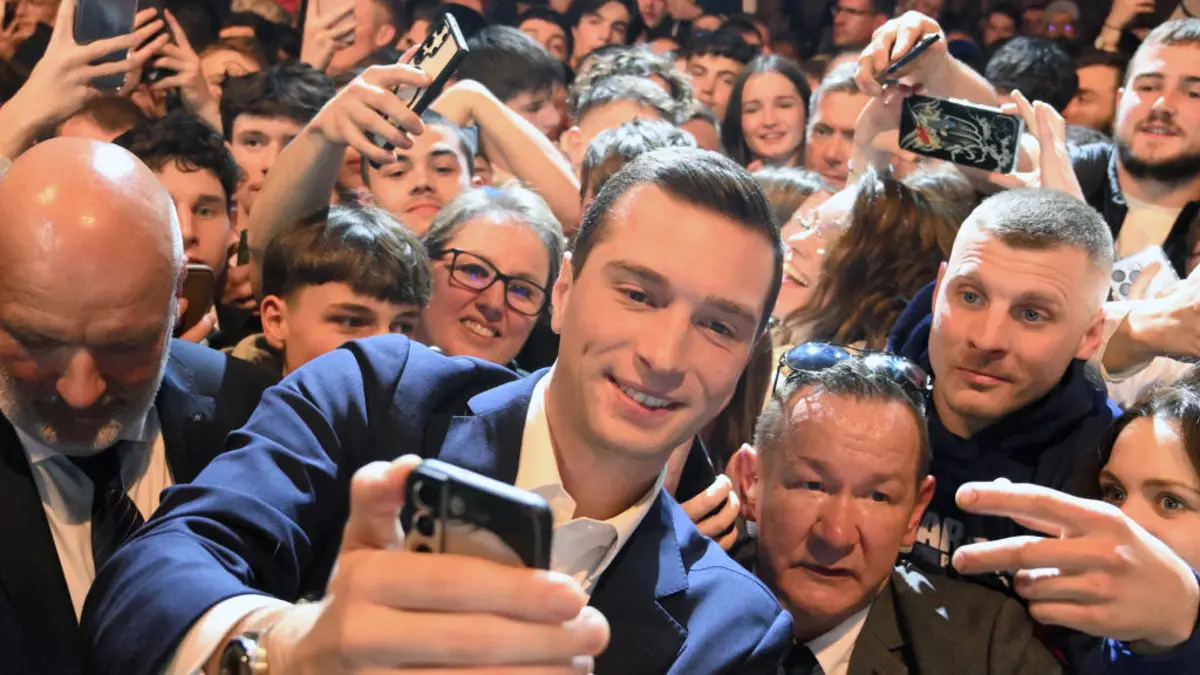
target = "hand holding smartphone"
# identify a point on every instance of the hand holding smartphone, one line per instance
(963, 133)
(102, 19)
(1128, 270)
(448, 509)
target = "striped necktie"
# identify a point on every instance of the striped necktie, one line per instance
(114, 515)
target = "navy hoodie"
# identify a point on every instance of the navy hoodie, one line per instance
(1053, 442)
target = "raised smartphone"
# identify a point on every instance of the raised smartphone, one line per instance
(963, 133)
(1127, 270)
(101, 20)
(449, 509)
(199, 287)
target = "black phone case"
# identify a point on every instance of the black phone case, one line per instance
(99, 20)
(971, 135)
(475, 513)
(445, 34)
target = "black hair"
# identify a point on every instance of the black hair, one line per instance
(1096, 57)
(510, 63)
(701, 178)
(422, 10)
(732, 136)
(550, 16)
(614, 148)
(1038, 68)
(728, 45)
(467, 143)
(623, 88)
(1178, 403)
(295, 91)
(581, 8)
(362, 247)
(1009, 10)
(188, 142)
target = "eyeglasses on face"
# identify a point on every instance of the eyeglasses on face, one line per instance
(476, 273)
(814, 357)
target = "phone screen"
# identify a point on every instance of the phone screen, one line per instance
(100, 20)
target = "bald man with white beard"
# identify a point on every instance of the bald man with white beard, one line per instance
(101, 409)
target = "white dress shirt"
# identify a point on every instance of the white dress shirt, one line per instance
(582, 548)
(834, 649)
(67, 496)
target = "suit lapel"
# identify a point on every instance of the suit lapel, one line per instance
(488, 440)
(878, 650)
(31, 576)
(186, 417)
(634, 595)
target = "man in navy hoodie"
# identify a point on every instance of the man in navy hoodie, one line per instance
(1006, 331)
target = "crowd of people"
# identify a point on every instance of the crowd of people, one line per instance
(800, 401)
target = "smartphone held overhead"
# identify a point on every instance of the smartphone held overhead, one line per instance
(101, 20)
(963, 133)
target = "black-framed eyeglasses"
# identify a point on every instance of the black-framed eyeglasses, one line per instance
(477, 273)
(812, 357)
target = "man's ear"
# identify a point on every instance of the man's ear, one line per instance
(1092, 337)
(274, 321)
(573, 147)
(561, 293)
(744, 471)
(385, 35)
(924, 496)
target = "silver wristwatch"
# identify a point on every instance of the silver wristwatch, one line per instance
(244, 655)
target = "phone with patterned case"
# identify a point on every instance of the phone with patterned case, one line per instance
(963, 133)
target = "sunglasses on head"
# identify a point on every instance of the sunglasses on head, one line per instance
(813, 357)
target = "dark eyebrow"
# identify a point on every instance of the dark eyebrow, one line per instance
(443, 152)
(652, 278)
(1163, 483)
(213, 200)
(352, 307)
(1152, 76)
(1190, 79)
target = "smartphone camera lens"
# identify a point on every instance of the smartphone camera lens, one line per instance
(1125, 289)
(426, 525)
(428, 495)
(1118, 276)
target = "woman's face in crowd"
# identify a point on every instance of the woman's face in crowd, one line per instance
(222, 63)
(773, 118)
(1155, 483)
(652, 11)
(465, 322)
(814, 228)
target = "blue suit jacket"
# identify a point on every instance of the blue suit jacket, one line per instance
(204, 396)
(267, 517)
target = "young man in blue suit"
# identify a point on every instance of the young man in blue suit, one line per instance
(100, 409)
(669, 284)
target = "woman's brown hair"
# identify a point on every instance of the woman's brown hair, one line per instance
(893, 245)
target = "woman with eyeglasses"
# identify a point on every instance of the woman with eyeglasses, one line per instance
(495, 253)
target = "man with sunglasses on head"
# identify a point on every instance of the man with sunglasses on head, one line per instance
(835, 502)
(653, 345)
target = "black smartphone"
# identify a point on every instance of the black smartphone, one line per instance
(243, 248)
(101, 20)
(889, 75)
(439, 56)
(449, 509)
(153, 72)
(199, 287)
(963, 133)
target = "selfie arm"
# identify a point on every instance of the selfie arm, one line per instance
(515, 146)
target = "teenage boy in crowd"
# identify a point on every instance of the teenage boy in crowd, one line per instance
(519, 72)
(340, 275)
(654, 340)
(713, 62)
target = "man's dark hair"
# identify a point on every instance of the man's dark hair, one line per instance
(245, 46)
(730, 46)
(1096, 57)
(623, 88)
(1036, 219)
(739, 25)
(614, 148)
(885, 7)
(362, 247)
(422, 10)
(467, 143)
(1009, 10)
(188, 142)
(1038, 68)
(550, 16)
(581, 8)
(114, 114)
(855, 377)
(510, 63)
(639, 62)
(701, 178)
(294, 91)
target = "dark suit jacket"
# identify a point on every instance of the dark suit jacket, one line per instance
(267, 517)
(204, 395)
(938, 626)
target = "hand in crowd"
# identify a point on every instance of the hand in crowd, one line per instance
(391, 609)
(325, 35)
(719, 526)
(13, 35)
(458, 102)
(1123, 12)
(1053, 169)
(877, 132)
(203, 328)
(893, 40)
(62, 82)
(177, 55)
(369, 104)
(1099, 572)
(1169, 323)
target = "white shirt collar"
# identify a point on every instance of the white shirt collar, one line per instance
(537, 471)
(144, 430)
(834, 648)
